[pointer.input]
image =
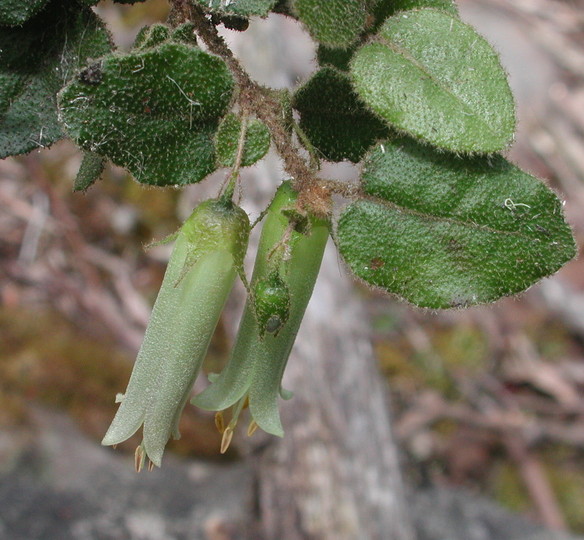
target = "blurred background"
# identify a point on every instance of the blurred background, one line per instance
(488, 400)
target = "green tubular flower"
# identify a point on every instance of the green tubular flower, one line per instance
(206, 258)
(254, 373)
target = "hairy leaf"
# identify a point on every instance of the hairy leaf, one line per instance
(154, 111)
(89, 172)
(446, 232)
(336, 23)
(334, 119)
(431, 75)
(257, 141)
(36, 60)
(16, 12)
(151, 36)
(385, 8)
(243, 8)
(341, 57)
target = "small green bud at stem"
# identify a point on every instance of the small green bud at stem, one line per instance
(271, 298)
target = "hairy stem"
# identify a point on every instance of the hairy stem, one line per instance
(262, 102)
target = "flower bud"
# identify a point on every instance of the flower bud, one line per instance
(271, 297)
(207, 255)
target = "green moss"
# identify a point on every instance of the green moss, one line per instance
(508, 488)
(51, 363)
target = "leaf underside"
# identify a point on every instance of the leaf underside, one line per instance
(154, 111)
(36, 60)
(434, 77)
(441, 231)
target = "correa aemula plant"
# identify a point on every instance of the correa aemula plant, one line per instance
(404, 88)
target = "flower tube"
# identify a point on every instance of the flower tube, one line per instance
(205, 260)
(288, 258)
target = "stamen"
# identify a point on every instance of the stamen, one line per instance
(237, 408)
(139, 458)
(226, 440)
(219, 422)
(251, 429)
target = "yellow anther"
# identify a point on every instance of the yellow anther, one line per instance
(219, 422)
(251, 429)
(139, 458)
(226, 439)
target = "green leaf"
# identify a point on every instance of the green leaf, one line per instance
(431, 75)
(331, 56)
(336, 23)
(185, 32)
(334, 119)
(91, 168)
(447, 232)
(155, 111)
(36, 60)
(257, 141)
(341, 57)
(385, 8)
(243, 8)
(151, 36)
(17, 12)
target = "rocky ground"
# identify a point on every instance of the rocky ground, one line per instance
(57, 484)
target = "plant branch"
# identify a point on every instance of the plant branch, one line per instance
(261, 102)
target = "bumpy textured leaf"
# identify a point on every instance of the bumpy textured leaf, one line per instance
(151, 36)
(446, 232)
(385, 8)
(154, 111)
(336, 23)
(243, 8)
(36, 60)
(431, 75)
(334, 119)
(89, 172)
(257, 141)
(15, 12)
(340, 58)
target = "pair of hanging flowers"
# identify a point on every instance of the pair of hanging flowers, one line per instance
(206, 258)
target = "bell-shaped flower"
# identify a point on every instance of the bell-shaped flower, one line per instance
(288, 258)
(205, 260)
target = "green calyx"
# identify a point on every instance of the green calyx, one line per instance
(218, 225)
